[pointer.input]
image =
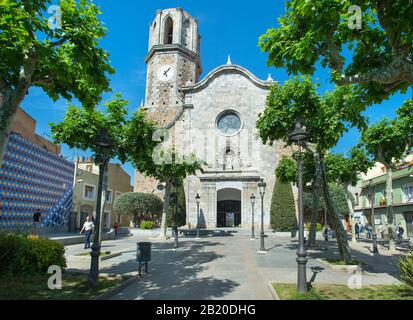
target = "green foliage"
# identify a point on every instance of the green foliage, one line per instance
(147, 225)
(326, 117)
(180, 217)
(319, 226)
(345, 170)
(406, 271)
(144, 205)
(287, 170)
(81, 126)
(20, 254)
(149, 156)
(387, 140)
(338, 194)
(375, 57)
(65, 62)
(282, 212)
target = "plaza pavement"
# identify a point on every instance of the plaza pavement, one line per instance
(228, 267)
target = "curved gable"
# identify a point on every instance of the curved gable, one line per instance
(228, 69)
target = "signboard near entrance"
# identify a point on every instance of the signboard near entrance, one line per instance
(230, 219)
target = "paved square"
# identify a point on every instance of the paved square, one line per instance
(228, 267)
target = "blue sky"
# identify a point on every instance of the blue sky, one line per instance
(227, 27)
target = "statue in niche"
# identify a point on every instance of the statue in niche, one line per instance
(229, 160)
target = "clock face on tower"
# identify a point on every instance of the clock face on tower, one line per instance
(165, 73)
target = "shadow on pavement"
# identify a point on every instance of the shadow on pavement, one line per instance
(174, 274)
(378, 263)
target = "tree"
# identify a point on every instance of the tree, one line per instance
(345, 171)
(151, 158)
(325, 117)
(142, 206)
(377, 36)
(64, 60)
(387, 142)
(282, 211)
(82, 128)
(180, 216)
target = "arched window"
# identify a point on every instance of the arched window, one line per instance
(169, 31)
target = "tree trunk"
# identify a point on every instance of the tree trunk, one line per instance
(389, 208)
(351, 214)
(165, 209)
(11, 99)
(7, 113)
(316, 190)
(314, 214)
(341, 235)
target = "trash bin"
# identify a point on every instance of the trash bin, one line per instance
(143, 251)
(143, 255)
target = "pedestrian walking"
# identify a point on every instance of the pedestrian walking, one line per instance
(116, 228)
(88, 226)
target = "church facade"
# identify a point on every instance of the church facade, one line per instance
(213, 118)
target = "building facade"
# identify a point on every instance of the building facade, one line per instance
(374, 182)
(85, 193)
(34, 177)
(213, 118)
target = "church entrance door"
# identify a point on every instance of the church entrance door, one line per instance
(228, 208)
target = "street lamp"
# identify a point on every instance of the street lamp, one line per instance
(104, 144)
(373, 222)
(261, 187)
(198, 200)
(252, 216)
(299, 136)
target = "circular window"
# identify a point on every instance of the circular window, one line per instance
(229, 123)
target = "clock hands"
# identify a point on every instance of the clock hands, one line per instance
(166, 72)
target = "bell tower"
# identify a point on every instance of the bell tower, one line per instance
(173, 61)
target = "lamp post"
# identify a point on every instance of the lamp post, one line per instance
(261, 187)
(252, 216)
(103, 143)
(373, 222)
(197, 199)
(299, 136)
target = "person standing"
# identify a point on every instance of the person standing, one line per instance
(305, 235)
(88, 226)
(325, 233)
(37, 215)
(116, 228)
(369, 230)
(381, 231)
(357, 230)
(399, 232)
